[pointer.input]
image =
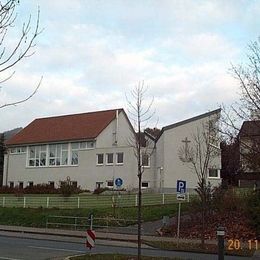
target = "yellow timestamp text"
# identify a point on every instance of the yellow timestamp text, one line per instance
(236, 244)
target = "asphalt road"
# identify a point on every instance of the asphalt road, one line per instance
(17, 248)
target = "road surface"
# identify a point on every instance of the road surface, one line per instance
(13, 247)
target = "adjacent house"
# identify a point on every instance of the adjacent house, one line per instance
(249, 151)
(93, 149)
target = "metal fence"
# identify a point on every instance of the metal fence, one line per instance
(88, 201)
(106, 224)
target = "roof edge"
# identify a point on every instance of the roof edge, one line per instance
(189, 120)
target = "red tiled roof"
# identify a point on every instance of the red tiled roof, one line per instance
(64, 128)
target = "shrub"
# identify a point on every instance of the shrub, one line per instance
(67, 188)
(253, 207)
(99, 190)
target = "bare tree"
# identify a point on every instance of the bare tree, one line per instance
(200, 155)
(140, 114)
(247, 108)
(11, 56)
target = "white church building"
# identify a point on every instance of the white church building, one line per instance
(94, 149)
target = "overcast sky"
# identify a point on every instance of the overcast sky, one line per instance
(92, 53)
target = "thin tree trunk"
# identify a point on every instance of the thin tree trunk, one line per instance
(139, 215)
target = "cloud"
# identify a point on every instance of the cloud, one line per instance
(91, 54)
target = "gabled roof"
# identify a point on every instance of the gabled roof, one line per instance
(64, 128)
(250, 128)
(208, 114)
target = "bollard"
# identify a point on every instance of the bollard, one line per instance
(220, 235)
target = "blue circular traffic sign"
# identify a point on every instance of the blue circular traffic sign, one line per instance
(118, 182)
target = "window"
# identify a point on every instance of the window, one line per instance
(110, 183)
(100, 159)
(21, 185)
(75, 153)
(99, 185)
(51, 184)
(83, 145)
(11, 184)
(214, 173)
(17, 150)
(37, 156)
(90, 145)
(109, 158)
(58, 154)
(30, 184)
(86, 145)
(145, 160)
(119, 158)
(145, 184)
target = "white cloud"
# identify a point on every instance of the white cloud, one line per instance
(91, 54)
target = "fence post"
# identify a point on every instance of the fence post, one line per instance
(78, 202)
(47, 202)
(3, 202)
(136, 200)
(163, 199)
(188, 196)
(24, 202)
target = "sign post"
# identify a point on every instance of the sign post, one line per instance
(91, 235)
(181, 190)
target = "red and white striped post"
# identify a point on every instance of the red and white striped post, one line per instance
(91, 237)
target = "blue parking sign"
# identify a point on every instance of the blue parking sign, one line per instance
(181, 186)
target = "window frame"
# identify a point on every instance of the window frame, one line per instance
(97, 163)
(145, 187)
(119, 163)
(110, 181)
(107, 156)
(149, 160)
(214, 177)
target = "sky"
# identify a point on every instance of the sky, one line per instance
(92, 53)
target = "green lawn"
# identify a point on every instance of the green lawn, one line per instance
(36, 217)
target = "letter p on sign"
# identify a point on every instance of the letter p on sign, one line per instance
(181, 186)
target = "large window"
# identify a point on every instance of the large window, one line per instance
(75, 153)
(37, 155)
(61, 154)
(58, 154)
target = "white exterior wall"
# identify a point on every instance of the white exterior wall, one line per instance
(162, 174)
(86, 173)
(167, 156)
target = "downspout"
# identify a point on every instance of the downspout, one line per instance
(116, 132)
(7, 167)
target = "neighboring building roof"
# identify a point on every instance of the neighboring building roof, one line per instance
(217, 111)
(65, 128)
(250, 128)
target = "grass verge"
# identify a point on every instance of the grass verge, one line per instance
(37, 217)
